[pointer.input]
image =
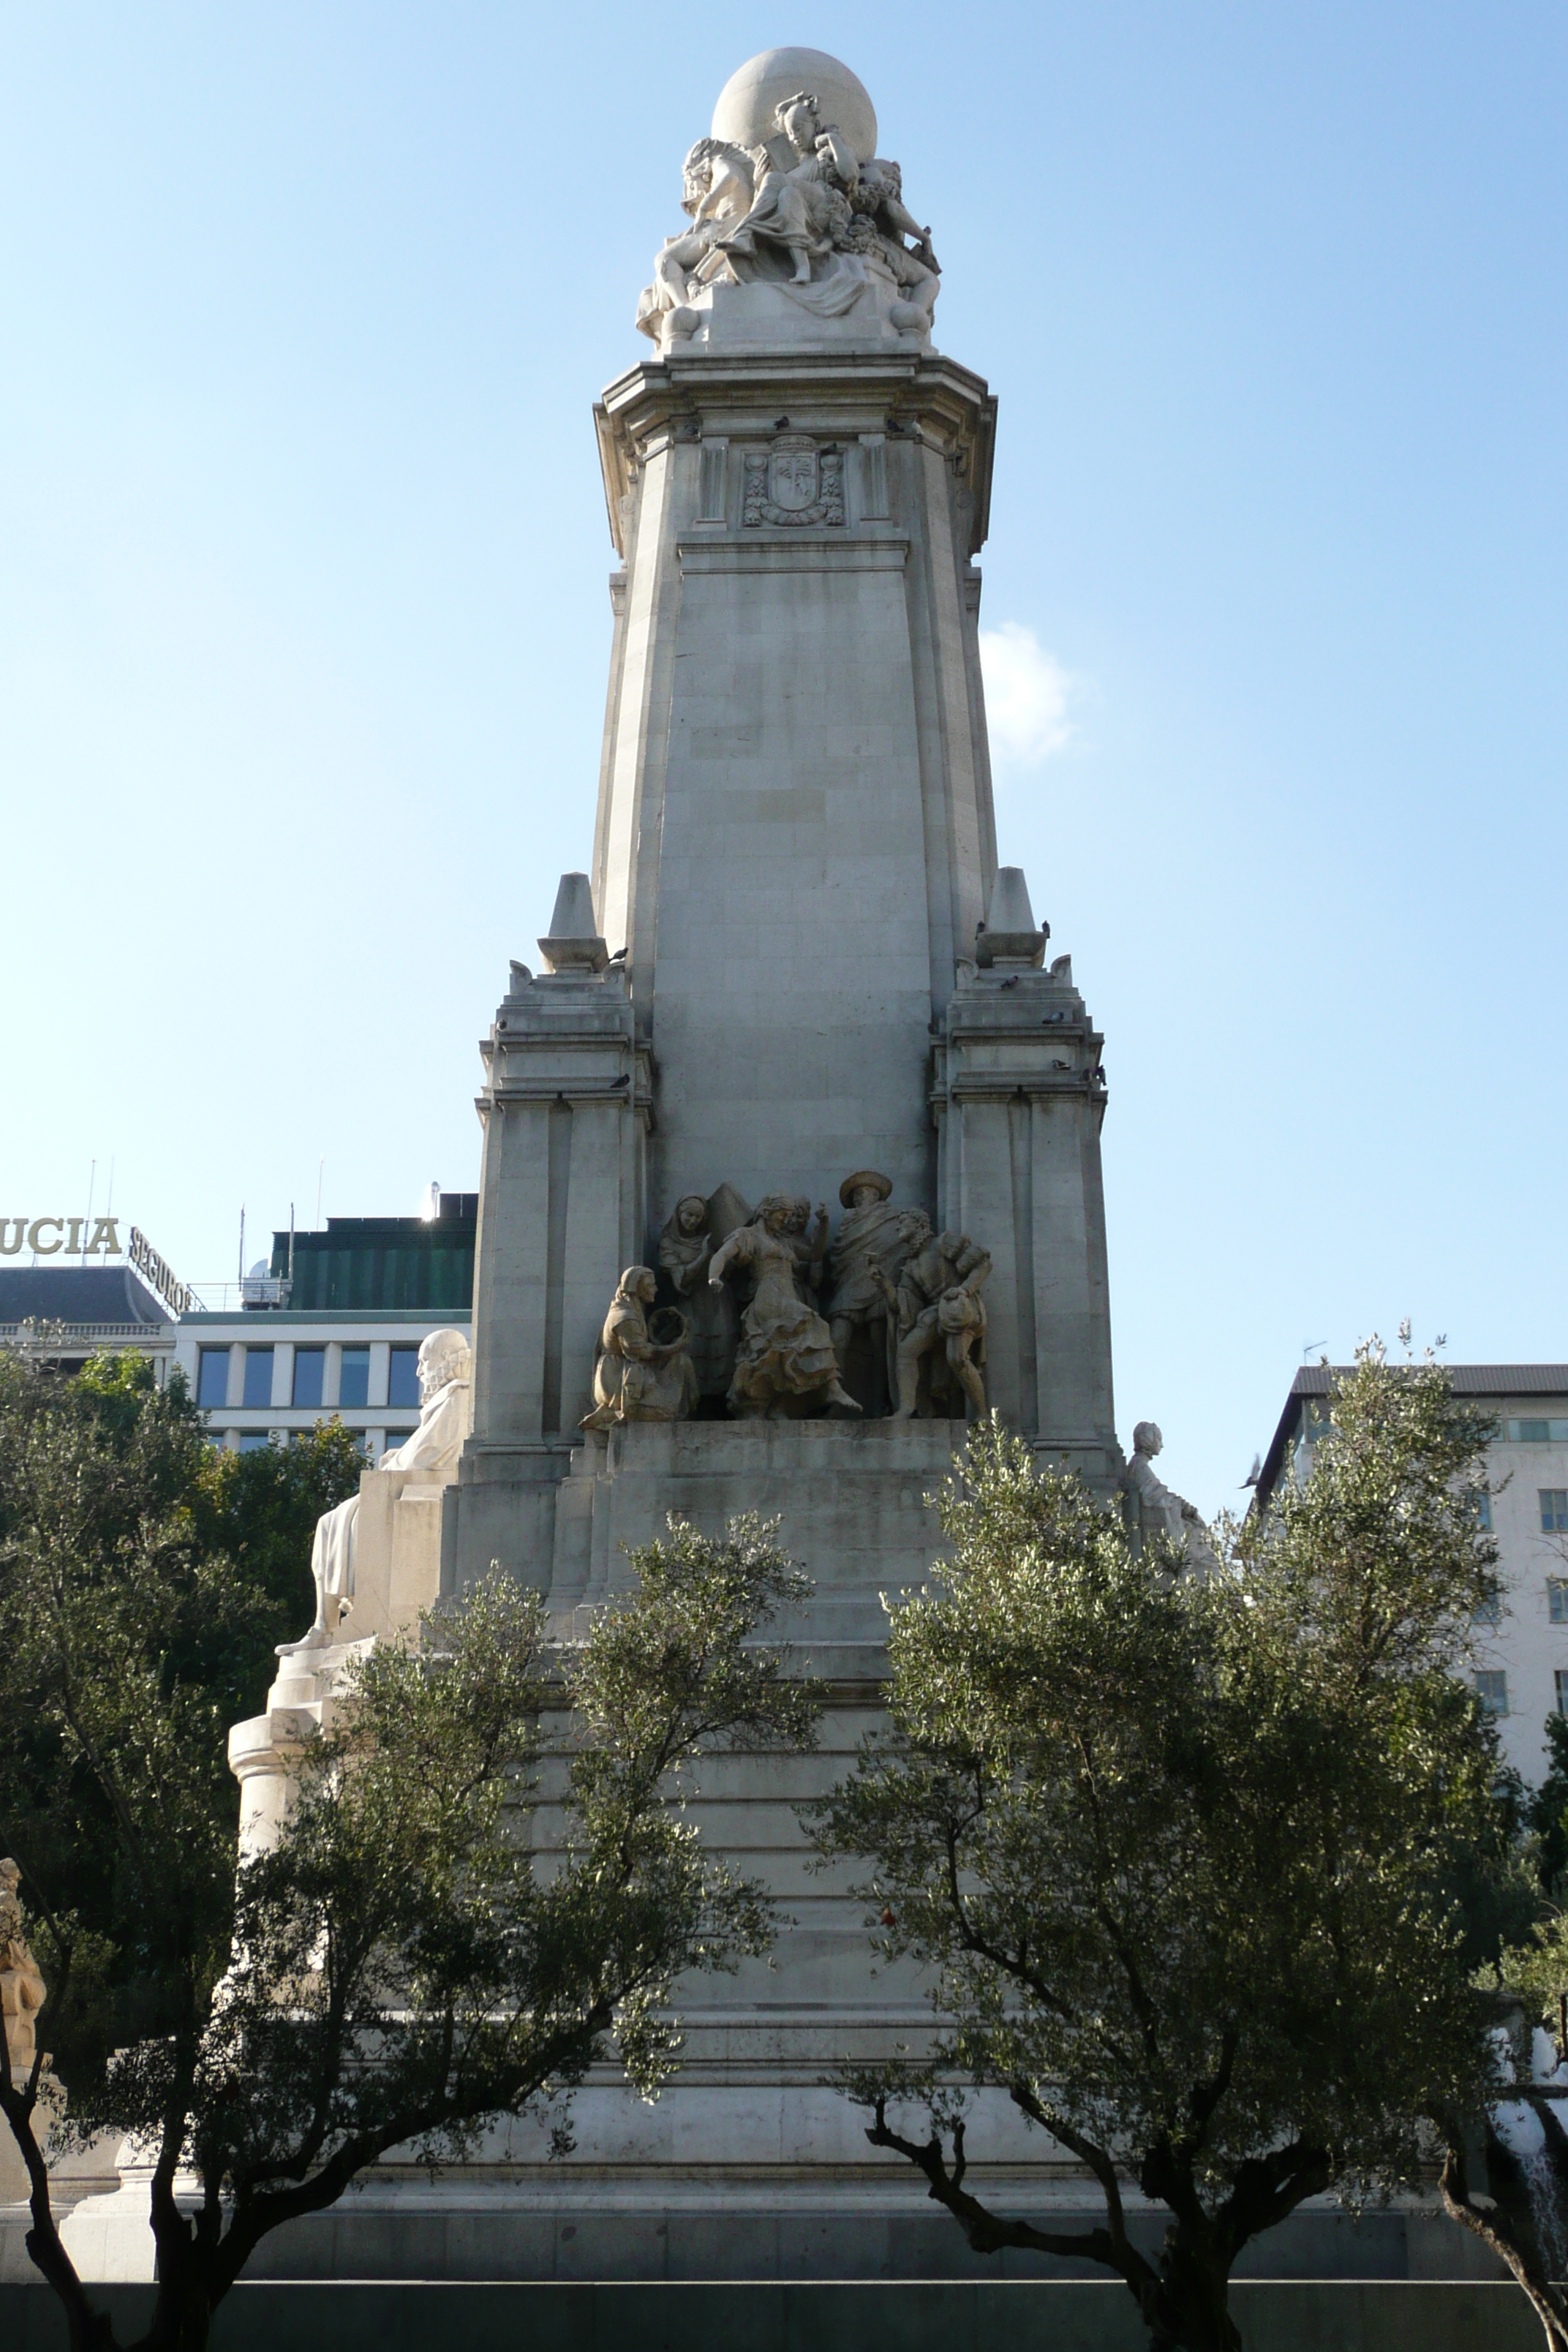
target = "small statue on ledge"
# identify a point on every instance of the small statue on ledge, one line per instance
(797, 209)
(807, 1237)
(640, 1374)
(785, 1354)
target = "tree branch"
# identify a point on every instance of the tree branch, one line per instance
(988, 2233)
(1494, 2230)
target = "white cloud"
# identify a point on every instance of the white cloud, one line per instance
(1027, 693)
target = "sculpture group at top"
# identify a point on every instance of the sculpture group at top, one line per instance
(799, 208)
(775, 1323)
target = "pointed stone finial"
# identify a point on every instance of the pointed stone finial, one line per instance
(574, 943)
(1010, 936)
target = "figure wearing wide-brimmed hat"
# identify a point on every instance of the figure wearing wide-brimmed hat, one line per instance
(874, 1239)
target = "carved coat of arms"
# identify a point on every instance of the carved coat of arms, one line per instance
(793, 481)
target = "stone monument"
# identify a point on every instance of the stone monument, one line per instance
(793, 973)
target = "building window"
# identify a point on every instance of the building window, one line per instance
(310, 1363)
(1561, 1679)
(403, 1377)
(1538, 1432)
(395, 1438)
(1492, 1689)
(1489, 1612)
(212, 1377)
(1484, 1513)
(1554, 1510)
(257, 1376)
(255, 1440)
(1557, 1599)
(353, 1385)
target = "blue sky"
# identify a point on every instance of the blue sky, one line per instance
(303, 623)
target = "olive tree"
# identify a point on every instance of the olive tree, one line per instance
(1177, 1853)
(486, 1884)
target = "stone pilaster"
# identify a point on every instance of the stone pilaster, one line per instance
(565, 1111)
(1019, 1099)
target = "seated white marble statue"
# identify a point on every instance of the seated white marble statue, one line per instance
(445, 1374)
(1151, 1508)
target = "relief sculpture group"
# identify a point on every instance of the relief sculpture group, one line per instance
(754, 1313)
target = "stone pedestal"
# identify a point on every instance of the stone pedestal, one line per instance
(397, 1577)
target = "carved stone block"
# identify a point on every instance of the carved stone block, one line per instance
(793, 482)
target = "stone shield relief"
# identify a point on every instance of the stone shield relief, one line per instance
(793, 481)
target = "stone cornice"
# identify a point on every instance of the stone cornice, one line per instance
(920, 396)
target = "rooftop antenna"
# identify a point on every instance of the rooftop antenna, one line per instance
(108, 1205)
(291, 1248)
(87, 1221)
(1308, 1346)
(242, 1241)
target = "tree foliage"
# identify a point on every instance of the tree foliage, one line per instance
(1178, 1856)
(487, 1883)
(146, 1579)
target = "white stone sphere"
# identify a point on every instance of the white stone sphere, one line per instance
(744, 114)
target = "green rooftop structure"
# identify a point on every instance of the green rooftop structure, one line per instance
(361, 1263)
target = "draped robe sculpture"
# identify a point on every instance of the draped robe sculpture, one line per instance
(433, 1450)
(786, 1355)
(636, 1376)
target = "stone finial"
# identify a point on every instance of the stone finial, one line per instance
(1009, 937)
(574, 943)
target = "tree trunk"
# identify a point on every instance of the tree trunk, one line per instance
(1189, 2310)
(182, 2312)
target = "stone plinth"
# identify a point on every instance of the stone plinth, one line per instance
(851, 1496)
(764, 318)
(397, 1577)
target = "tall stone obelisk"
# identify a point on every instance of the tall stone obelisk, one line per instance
(794, 962)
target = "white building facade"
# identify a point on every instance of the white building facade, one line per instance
(1519, 1664)
(275, 1374)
